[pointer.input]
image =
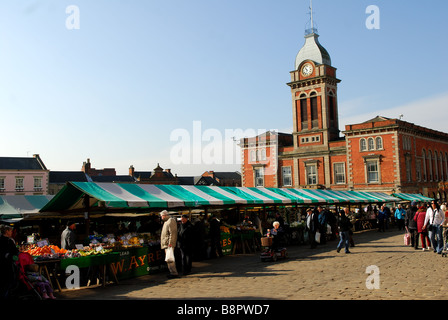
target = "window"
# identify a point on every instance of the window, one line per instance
(259, 177)
(263, 154)
(252, 156)
(424, 164)
(372, 171)
(371, 144)
(363, 144)
(19, 183)
(339, 173)
(2, 183)
(408, 168)
(286, 176)
(311, 174)
(418, 170)
(304, 114)
(314, 114)
(38, 183)
(379, 143)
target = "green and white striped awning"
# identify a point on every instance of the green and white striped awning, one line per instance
(412, 197)
(15, 207)
(122, 196)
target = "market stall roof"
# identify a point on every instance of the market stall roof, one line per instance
(15, 207)
(144, 197)
(412, 197)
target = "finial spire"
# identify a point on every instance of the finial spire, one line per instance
(311, 10)
(311, 30)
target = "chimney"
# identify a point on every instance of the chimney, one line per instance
(131, 170)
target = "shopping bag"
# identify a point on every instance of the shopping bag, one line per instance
(169, 255)
(407, 239)
(317, 237)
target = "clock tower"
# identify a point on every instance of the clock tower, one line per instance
(314, 95)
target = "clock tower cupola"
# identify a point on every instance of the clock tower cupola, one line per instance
(314, 94)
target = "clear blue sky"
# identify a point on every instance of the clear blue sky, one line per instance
(115, 89)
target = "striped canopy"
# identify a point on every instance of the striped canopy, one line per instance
(412, 197)
(16, 207)
(122, 196)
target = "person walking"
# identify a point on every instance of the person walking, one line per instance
(186, 244)
(411, 225)
(312, 226)
(381, 220)
(419, 218)
(345, 226)
(433, 222)
(399, 217)
(215, 238)
(322, 218)
(168, 240)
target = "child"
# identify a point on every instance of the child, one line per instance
(39, 281)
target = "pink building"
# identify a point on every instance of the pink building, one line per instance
(23, 176)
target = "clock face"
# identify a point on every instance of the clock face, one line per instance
(307, 69)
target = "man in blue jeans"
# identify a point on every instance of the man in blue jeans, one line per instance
(344, 225)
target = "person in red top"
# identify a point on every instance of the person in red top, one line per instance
(420, 219)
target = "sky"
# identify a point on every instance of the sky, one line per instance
(177, 83)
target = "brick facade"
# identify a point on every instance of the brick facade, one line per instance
(381, 154)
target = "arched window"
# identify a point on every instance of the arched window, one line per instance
(314, 113)
(430, 165)
(252, 156)
(379, 143)
(436, 167)
(425, 175)
(362, 144)
(371, 144)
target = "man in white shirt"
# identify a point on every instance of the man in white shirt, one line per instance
(433, 223)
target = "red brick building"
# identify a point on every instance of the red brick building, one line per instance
(381, 154)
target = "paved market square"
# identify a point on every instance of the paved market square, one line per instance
(379, 267)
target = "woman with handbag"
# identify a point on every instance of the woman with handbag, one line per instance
(433, 222)
(419, 218)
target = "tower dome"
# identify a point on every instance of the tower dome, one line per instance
(312, 50)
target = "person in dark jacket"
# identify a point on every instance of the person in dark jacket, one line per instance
(411, 225)
(8, 255)
(186, 243)
(215, 237)
(312, 226)
(345, 226)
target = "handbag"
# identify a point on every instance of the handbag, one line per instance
(407, 239)
(169, 256)
(317, 237)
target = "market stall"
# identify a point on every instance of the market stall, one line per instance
(117, 256)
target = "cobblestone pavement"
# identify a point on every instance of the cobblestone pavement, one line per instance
(400, 273)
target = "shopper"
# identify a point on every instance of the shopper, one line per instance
(419, 218)
(8, 255)
(215, 238)
(186, 244)
(312, 226)
(399, 217)
(345, 226)
(68, 236)
(168, 240)
(433, 222)
(322, 218)
(381, 218)
(411, 225)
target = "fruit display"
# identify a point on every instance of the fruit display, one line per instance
(45, 252)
